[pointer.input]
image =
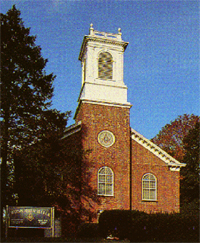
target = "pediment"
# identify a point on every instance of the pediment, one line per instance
(174, 164)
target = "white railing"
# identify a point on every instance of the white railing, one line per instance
(105, 35)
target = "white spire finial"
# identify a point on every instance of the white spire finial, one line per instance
(119, 34)
(91, 29)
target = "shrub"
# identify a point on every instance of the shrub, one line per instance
(87, 230)
(157, 227)
(118, 222)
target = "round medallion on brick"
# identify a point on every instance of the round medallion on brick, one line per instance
(106, 138)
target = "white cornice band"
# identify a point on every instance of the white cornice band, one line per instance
(157, 151)
(72, 129)
(106, 103)
(102, 40)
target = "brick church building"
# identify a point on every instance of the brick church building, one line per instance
(127, 171)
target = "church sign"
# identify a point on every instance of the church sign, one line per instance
(30, 217)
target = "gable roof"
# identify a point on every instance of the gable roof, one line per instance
(174, 164)
(157, 151)
(72, 129)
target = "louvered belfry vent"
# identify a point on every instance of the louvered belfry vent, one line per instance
(105, 67)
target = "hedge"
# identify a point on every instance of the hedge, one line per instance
(143, 227)
(87, 230)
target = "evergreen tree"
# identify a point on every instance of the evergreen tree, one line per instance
(26, 92)
(36, 166)
(39, 167)
(53, 173)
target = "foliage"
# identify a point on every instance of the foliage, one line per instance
(141, 227)
(190, 174)
(38, 168)
(88, 230)
(171, 136)
(30, 129)
(180, 139)
(26, 88)
(52, 173)
(26, 92)
(118, 222)
(37, 165)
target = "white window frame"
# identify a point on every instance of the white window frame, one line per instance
(149, 188)
(105, 182)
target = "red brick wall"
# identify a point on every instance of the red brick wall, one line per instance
(143, 161)
(96, 118)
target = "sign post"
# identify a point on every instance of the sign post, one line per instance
(30, 217)
(6, 228)
(53, 221)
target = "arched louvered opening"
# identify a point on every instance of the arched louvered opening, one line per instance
(105, 66)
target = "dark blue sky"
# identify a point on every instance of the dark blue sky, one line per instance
(161, 65)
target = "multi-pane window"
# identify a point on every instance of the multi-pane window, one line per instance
(105, 66)
(149, 187)
(105, 181)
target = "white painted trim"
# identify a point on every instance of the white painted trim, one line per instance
(102, 142)
(157, 151)
(175, 168)
(72, 129)
(104, 195)
(127, 105)
(87, 38)
(156, 189)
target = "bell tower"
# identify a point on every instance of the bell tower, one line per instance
(122, 168)
(102, 57)
(104, 114)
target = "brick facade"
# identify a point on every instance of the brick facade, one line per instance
(103, 106)
(128, 159)
(143, 161)
(96, 118)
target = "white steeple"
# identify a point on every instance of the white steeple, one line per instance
(102, 58)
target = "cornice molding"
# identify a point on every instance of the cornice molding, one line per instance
(174, 164)
(100, 40)
(105, 103)
(102, 82)
(112, 84)
(72, 129)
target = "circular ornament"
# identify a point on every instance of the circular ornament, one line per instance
(106, 138)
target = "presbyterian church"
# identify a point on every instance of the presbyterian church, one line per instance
(126, 170)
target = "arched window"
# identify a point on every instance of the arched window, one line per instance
(105, 66)
(105, 181)
(149, 187)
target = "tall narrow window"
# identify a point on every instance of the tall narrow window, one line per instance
(149, 187)
(105, 66)
(105, 181)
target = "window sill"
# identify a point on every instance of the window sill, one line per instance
(106, 79)
(148, 200)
